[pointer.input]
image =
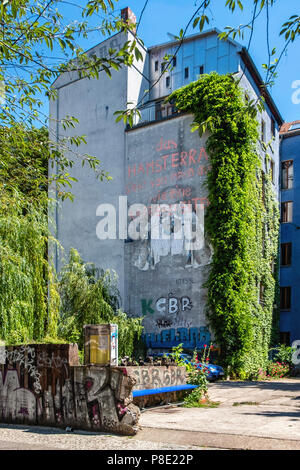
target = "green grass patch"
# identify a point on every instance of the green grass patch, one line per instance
(239, 403)
(208, 404)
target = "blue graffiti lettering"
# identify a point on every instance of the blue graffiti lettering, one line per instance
(191, 338)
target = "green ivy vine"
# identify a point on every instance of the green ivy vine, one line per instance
(242, 222)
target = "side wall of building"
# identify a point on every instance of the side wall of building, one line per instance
(167, 164)
(93, 102)
(158, 163)
(290, 274)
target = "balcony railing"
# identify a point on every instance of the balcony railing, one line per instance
(155, 111)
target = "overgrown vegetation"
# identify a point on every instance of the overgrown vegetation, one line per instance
(283, 353)
(195, 376)
(242, 222)
(89, 296)
(24, 273)
(35, 306)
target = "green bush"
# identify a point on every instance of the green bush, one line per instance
(283, 353)
(195, 376)
(277, 370)
(90, 296)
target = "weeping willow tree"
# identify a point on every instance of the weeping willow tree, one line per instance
(24, 273)
(90, 296)
(36, 306)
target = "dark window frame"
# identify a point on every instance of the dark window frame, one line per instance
(285, 212)
(285, 298)
(285, 337)
(286, 254)
(272, 170)
(186, 72)
(287, 174)
(263, 130)
(261, 292)
(273, 127)
(163, 110)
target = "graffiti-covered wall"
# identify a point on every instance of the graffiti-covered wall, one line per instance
(157, 376)
(167, 164)
(43, 384)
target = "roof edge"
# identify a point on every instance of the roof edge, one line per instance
(260, 84)
(293, 133)
(191, 37)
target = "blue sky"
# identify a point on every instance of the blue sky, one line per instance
(161, 17)
(169, 16)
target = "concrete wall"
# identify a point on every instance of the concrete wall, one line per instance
(93, 102)
(158, 377)
(167, 164)
(148, 377)
(43, 384)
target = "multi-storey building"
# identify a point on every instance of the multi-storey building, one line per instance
(290, 226)
(156, 161)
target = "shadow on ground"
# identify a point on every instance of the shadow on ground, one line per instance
(265, 385)
(45, 430)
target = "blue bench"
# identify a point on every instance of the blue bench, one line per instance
(153, 391)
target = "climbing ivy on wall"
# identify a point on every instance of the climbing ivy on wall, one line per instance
(242, 222)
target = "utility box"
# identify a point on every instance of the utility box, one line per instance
(101, 345)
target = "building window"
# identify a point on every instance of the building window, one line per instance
(285, 298)
(186, 72)
(263, 130)
(263, 188)
(286, 212)
(163, 110)
(201, 69)
(162, 67)
(261, 293)
(273, 128)
(284, 338)
(287, 174)
(174, 61)
(167, 82)
(272, 171)
(156, 66)
(286, 254)
(272, 266)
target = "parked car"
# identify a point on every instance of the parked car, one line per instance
(213, 372)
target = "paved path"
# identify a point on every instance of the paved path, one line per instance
(251, 415)
(20, 437)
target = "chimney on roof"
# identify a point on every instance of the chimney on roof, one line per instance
(128, 16)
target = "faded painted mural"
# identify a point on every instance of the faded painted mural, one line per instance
(165, 276)
(43, 384)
